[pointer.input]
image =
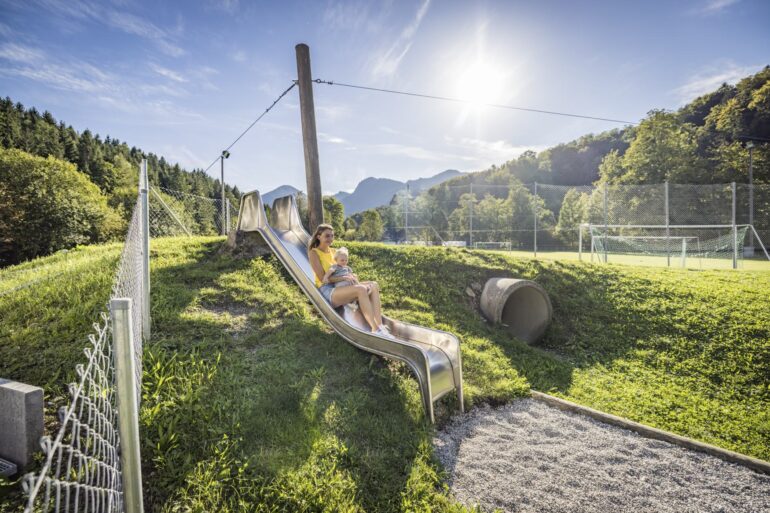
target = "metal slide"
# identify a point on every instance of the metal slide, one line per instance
(433, 356)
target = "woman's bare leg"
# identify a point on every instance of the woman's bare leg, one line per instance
(374, 297)
(345, 295)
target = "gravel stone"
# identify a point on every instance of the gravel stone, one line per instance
(529, 457)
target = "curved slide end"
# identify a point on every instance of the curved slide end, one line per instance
(433, 356)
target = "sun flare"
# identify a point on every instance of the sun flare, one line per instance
(480, 83)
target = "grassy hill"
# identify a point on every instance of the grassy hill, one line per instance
(250, 402)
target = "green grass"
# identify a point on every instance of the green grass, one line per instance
(250, 402)
(758, 263)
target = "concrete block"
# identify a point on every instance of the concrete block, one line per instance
(21, 422)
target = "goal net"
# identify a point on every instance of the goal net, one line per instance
(493, 245)
(685, 246)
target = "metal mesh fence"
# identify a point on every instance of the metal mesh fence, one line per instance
(82, 469)
(543, 217)
(514, 216)
(175, 213)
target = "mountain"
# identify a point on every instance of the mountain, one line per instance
(421, 184)
(370, 193)
(283, 190)
(374, 192)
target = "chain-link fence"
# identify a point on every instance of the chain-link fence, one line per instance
(525, 217)
(175, 213)
(542, 217)
(92, 464)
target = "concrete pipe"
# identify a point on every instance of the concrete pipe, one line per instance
(522, 306)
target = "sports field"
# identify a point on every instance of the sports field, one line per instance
(747, 264)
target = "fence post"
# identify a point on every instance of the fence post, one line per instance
(580, 242)
(534, 211)
(145, 231)
(227, 211)
(735, 233)
(223, 197)
(128, 403)
(668, 230)
(606, 222)
(406, 214)
(470, 213)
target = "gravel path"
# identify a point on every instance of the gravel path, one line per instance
(529, 457)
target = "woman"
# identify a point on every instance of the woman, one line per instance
(367, 293)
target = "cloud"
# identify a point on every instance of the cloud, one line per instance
(331, 138)
(83, 10)
(331, 112)
(387, 64)
(348, 15)
(165, 72)
(497, 150)
(238, 56)
(389, 130)
(20, 53)
(95, 85)
(414, 152)
(5, 30)
(229, 6)
(186, 157)
(202, 77)
(709, 80)
(74, 76)
(132, 24)
(715, 6)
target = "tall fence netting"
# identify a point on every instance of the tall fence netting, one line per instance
(82, 466)
(544, 217)
(530, 217)
(176, 213)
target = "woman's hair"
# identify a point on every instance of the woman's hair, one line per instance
(318, 231)
(341, 251)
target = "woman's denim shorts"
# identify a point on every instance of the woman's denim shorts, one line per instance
(326, 291)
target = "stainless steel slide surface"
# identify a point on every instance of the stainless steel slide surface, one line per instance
(433, 356)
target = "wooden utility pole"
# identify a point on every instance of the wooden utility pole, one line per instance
(309, 139)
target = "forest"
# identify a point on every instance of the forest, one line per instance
(59, 188)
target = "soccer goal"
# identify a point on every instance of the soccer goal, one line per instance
(493, 245)
(682, 245)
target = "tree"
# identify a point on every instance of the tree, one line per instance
(371, 227)
(51, 207)
(664, 149)
(334, 214)
(574, 211)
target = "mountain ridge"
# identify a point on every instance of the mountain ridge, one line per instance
(370, 192)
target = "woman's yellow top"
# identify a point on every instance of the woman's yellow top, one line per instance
(327, 260)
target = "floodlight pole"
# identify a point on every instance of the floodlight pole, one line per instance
(750, 146)
(668, 231)
(580, 242)
(144, 186)
(735, 233)
(225, 154)
(534, 232)
(470, 214)
(309, 138)
(406, 214)
(605, 222)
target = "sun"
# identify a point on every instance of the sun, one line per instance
(480, 83)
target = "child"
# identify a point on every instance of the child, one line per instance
(340, 270)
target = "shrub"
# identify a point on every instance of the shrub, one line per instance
(47, 205)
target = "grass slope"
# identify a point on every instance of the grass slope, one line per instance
(251, 403)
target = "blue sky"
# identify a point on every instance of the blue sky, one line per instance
(184, 79)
